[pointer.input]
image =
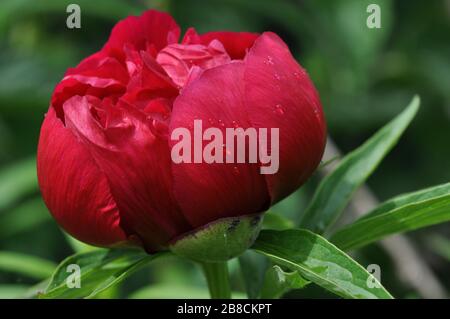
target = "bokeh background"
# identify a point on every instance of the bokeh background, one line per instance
(364, 76)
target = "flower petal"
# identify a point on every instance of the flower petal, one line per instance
(148, 83)
(74, 189)
(179, 59)
(153, 28)
(208, 191)
(136, 162)
(236, 43)
(97, 75)
(279, 94)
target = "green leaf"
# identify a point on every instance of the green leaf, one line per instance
(277, 282)
(335, 190)
(34, 291)
(31, 266)
(319, 261)
(403, 213)
(78, 246)
(329, 161)
(409, 198)
(276, 221)
(99, 270)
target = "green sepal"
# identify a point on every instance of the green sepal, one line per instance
(220, 240)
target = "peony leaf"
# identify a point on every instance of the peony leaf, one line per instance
(335, 190)
(277, 282)
(319, 261)
(99, 270)
(402, 213)
(276, 221)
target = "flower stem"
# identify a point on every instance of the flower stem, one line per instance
(218, 279)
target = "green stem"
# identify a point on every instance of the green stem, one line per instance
(218, 280)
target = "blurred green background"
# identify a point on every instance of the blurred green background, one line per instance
(364, 76)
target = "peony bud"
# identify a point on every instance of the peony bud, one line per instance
(105, 162)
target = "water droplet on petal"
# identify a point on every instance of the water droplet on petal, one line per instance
(269, 60)
(277, 76)
(236, 170)
(279, 109)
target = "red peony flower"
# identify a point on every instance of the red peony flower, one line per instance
(104, 155)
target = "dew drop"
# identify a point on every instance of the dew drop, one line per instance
(236, 170)
(277, 76)
(269, 60)
(279, 109)
(235, 124)
(221, 123)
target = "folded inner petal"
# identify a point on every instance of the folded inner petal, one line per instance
(178, 60)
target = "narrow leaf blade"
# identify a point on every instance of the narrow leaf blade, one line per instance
(99, 270)
(401, 214)
(335, 190)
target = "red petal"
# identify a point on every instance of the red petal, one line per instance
(280, 94)
(178, 60)
(151, 28)
(74, 189)
(236, 43)
(97, 75)
(149, 82)
(204, 191)
(137, 165)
